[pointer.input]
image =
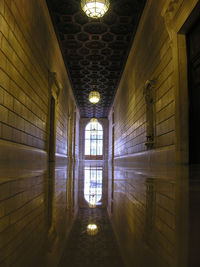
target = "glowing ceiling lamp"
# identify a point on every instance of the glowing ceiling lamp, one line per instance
(94, 97)
(95, 8)
(94, 121)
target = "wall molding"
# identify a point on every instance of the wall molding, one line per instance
(55, 85)
(176, 12)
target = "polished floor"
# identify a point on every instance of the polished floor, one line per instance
(44, 216)
(96, 248)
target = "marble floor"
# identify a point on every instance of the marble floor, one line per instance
(140, 217)
(96, 248)
(92, 247)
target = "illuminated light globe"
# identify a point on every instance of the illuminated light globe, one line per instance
(95, 8)
(94, 121)
(94, 97)
(92, 229)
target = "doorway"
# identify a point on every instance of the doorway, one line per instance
(193, 47)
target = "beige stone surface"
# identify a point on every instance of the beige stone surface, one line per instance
(148, 204)
(146, 209)
(29, 51)
(158, 54)
(32, 197)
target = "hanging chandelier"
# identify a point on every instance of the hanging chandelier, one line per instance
(94, 120)
(95, 8)
(94, 97)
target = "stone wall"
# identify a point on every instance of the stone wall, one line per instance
(150, 106)
(32, 71)
(150, 59)
(148, 194)
(30, 56)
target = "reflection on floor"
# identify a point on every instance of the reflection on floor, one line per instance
(154, 214)
(37, 209)
(91, 247)
(92, 242)
(93, 177)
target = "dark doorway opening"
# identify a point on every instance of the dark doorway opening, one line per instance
(193, 45)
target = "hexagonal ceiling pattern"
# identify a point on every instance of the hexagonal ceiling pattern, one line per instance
(95, 50)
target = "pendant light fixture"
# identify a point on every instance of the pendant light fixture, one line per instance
(94, 120)
(95, 8)
(94, 97)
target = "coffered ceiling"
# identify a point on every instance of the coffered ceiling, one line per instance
(95, 50)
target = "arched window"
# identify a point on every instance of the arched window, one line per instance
(93, 141)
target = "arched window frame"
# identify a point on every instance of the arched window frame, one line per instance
(93, 141)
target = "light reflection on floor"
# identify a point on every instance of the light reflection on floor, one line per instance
(93, 176)
(92, 242)
(155, 215)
